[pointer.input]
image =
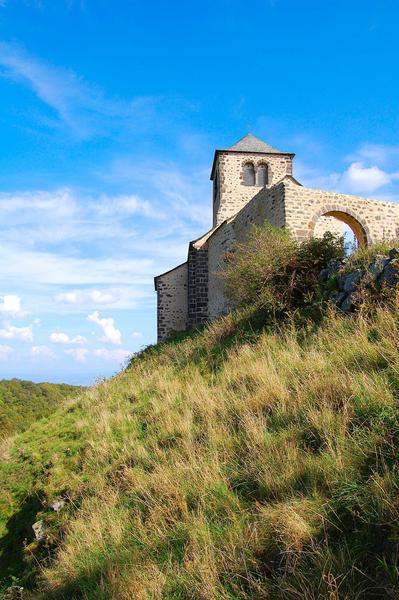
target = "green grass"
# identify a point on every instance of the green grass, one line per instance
(23, 402)
(235, 463)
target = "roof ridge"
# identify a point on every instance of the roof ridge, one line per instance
(251, 143)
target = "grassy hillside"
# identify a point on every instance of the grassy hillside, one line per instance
(253, 460)
(22, 402)
(232, 464)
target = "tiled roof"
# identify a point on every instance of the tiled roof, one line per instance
(250, 143)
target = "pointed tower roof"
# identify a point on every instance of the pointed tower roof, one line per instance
(251, 144)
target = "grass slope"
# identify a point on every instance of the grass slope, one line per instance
(22, 402)
(232, 464)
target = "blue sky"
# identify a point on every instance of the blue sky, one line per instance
(109, 116)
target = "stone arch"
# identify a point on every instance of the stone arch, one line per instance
(262, 174)
(347, 216)
(249, 173)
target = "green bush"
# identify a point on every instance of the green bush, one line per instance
(273, 271)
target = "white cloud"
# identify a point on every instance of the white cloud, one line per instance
(10, 332)
(185, 194)
(78, 354)
(378, 153)
(111, 334)
(81, 107)
(137, 334)
(127, 205)
(118, 355)
(356, 179)
(64, 338)
(360, 179)
(86, 297)
(42, 351)
(82, 354)
(5, 351)
(47, 268)
(59, 88)
(10, 304)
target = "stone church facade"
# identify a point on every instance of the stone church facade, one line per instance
(253, 183)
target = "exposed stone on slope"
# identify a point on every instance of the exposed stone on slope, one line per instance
(383, 270)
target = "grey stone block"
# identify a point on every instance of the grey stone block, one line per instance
(351, 281)
(347, 305)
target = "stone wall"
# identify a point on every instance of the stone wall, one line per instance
(372, 220)
(193, 293)
(219, 243)
(233, 193)
(328, 224)
(172, 305)
(197, 284)
(267, 205)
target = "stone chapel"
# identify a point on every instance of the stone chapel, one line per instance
(253, 183)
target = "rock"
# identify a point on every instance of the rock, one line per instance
(377, 266)
(351, 281)
(390, 275)
(347, 305)
(58, 505)
(337, 297)
(394, 253)
(341, 282)
(324, 275)
(39, 530)
(333, 267)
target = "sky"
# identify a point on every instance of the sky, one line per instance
(110, 111)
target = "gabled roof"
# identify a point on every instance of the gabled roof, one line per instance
(251, 144)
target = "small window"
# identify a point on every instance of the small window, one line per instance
(263, 175)
(215, 187)
(249, 174)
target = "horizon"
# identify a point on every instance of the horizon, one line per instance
(109, 121)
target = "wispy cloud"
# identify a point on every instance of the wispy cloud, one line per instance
(83, 108)
(81, 355)
(11, 332)
(58, 337)
(89, 297)
(67, 250)
(5, 351)
(42, 352)
(380, 154)
(183, 190)
(117, 355)
(78, 354)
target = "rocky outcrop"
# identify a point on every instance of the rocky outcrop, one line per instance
(340, 285)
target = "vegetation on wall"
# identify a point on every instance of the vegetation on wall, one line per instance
(236, 463)
(271, 270)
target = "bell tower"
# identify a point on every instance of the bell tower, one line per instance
(241, 171)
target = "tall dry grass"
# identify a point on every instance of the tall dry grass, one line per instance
(215, 470)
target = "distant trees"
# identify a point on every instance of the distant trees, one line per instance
(22, 402)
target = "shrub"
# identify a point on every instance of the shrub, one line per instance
(273, 271)
(364, 255)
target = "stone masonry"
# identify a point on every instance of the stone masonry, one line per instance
(192, 293)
